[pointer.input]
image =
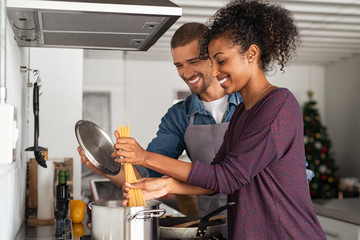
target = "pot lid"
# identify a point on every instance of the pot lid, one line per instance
(97, 146)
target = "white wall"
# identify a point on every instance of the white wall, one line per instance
(104, 72)
(61, 73)
(343, 114)
(152, 82)
(142, 87)
(13, 176)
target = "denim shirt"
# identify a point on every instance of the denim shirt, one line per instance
(169, 140)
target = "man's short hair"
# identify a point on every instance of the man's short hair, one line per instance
(187, 33)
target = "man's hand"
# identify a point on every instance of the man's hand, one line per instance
(128, 151)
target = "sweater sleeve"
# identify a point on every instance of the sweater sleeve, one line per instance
(238, 167)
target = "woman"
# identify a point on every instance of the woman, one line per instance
(260, 164)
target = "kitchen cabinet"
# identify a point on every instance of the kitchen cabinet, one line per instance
(337, 230)
(339, 218)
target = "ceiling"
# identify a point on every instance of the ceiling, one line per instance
(330, 29)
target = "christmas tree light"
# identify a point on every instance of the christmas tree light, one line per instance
(317, 146)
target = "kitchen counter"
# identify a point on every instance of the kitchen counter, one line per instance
(347, 209)
(47, 232)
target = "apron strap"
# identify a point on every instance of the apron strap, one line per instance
(192, 117)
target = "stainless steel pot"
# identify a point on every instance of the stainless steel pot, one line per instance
(111, 221)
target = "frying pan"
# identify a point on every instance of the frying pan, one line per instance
(204, 229)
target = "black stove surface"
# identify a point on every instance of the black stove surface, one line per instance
(85, 237)
(216, 237)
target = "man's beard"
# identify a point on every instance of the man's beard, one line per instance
(200, 89)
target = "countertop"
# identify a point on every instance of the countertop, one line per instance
(47, 232)
(347, 209)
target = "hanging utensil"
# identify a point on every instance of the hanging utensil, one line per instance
(40, 159)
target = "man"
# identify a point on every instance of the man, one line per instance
(197, 124)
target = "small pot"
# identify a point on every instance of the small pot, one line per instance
(110, 220)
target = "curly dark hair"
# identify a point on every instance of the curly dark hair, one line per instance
(244, 23)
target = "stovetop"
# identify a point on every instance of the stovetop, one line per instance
(216, 237)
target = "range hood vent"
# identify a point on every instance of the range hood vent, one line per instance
(110, 24)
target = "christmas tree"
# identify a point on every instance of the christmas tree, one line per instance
(318, 155)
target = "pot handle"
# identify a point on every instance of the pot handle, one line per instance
(146, 214)
(201, 231)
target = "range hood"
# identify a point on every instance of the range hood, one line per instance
(91, 24)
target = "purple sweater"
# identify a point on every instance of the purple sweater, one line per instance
(260, 166)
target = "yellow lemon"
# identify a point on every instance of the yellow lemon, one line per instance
(77, 211)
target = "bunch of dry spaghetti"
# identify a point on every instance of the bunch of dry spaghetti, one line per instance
(137, 198)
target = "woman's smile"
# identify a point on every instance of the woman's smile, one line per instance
(222, 81)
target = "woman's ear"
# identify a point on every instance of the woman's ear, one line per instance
(253, 53)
